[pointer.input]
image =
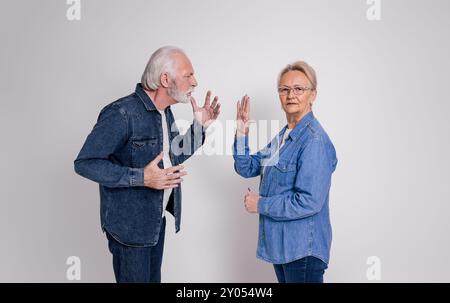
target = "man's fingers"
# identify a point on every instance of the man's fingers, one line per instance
(169, 186)
(208, 99)
(157, 159)
(217, 111)
(173, 169)
(166, 183)
(173, 182)
(176, 175)
(214, 104)
(194, 104)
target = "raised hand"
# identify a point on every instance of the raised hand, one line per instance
(157, 178)
(243, 116)
(209, 112)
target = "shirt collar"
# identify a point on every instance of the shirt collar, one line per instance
(296, 131)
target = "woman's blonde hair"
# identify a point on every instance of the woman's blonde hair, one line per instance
(303, 67)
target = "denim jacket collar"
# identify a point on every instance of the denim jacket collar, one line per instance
(295, 133)
(148, 103)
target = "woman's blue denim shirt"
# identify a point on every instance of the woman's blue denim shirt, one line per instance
(294, 219)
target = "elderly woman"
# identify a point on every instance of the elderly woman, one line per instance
(295, 169)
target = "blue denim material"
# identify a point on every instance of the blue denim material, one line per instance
(305, 270)
(294, 190)
(137, 264)
(127, 136)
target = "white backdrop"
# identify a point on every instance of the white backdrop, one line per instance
(381, 98)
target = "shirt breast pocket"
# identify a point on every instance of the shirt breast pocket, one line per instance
(285, 174)
(143, 150)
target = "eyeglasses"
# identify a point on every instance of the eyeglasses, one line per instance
(298, 90)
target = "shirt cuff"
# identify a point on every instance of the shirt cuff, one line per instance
(263, 205)
(240, 144)
(136, 176)
(198, 125)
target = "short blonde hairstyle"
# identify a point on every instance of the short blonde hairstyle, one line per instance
(303, 67)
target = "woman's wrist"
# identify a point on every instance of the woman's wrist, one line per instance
(241, 133)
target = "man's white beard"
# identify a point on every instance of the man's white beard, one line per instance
(179, 96)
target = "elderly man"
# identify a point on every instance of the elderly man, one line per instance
(135, 153)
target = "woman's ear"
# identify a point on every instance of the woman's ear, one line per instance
(312, 98)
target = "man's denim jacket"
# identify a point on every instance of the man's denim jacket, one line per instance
(127, 136)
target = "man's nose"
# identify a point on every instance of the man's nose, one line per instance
(194, 81)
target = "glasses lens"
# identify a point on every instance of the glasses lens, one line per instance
(298, 90)
(283, 91)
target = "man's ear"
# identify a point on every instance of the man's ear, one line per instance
(164, 79)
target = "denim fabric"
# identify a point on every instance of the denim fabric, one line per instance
(137, 264)
(294, 191)
(127, 136)
(304, 270)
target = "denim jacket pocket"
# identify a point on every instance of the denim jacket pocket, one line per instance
(284, 167)
(143, 150)
(139, 143)
(284, 174)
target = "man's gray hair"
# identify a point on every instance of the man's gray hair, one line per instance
(160, 62)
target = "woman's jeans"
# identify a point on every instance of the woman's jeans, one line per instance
(306, 270)
(137, 264)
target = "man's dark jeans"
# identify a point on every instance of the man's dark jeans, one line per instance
(137, 264)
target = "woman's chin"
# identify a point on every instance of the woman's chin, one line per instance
(290, 110)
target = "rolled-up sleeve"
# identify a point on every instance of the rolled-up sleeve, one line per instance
(187, 144)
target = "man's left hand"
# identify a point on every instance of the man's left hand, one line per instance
(209, 112)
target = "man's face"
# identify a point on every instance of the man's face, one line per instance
(183, 82)
(291, 83)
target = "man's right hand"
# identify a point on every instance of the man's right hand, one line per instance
(157, 178)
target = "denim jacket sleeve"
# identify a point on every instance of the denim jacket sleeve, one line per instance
(245, 165)
(194, 138)
(312, 184)
(94, 161)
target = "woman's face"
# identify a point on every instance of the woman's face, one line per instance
(295, 100)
